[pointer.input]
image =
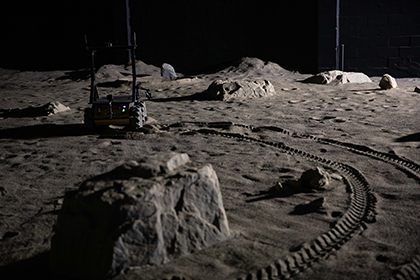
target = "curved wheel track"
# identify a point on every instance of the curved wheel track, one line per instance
(361, 209)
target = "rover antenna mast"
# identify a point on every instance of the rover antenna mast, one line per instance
(128, 24)
(135, 95)
(337, 36)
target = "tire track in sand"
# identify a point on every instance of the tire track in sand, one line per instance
(360, 211)
(407, 271)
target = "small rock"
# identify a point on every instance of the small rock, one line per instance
(3, 191)
(317, 205)
(387, 82)
(417, 89)
(316, 178)
(55, 107)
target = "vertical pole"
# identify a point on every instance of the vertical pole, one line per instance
(127, 19)
(93, 90)
(337, 36)
(133, 67)
(342, 57)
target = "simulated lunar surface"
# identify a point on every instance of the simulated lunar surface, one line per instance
(318, 181)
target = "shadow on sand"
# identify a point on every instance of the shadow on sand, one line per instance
(171, 99)
(290, 188)
(32, 268)
(69, 130)
(44, 131)
(415, 137)
(200, 96)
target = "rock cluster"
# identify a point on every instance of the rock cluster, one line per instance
(387, 82)
(336, 76)
(230, 89)
(144, 212)
(316, 179)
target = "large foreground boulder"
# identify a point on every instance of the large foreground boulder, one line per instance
(141, 213)
(230, 89)
(338, 77)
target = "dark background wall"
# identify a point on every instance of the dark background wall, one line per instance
(190, 35)
(202, 34)
(379, 36)
(48, 34)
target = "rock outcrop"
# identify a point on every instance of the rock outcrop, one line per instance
(339, 77)
(230, 89)
(387, 82)
(145, 212)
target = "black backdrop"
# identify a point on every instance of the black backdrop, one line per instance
(193, 36)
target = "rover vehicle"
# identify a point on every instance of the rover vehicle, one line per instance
(126, 110)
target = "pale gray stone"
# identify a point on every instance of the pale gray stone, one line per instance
(144, 212)
(55, 107)
(167, 71)
(387, 82)
(231, 89)
(336, 76)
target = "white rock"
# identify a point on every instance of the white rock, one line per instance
(167, 71)
(387, 82)
(336, 76)
(55, 107)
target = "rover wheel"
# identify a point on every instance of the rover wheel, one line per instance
(88, 120)
(144, 112)
(138, 115)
